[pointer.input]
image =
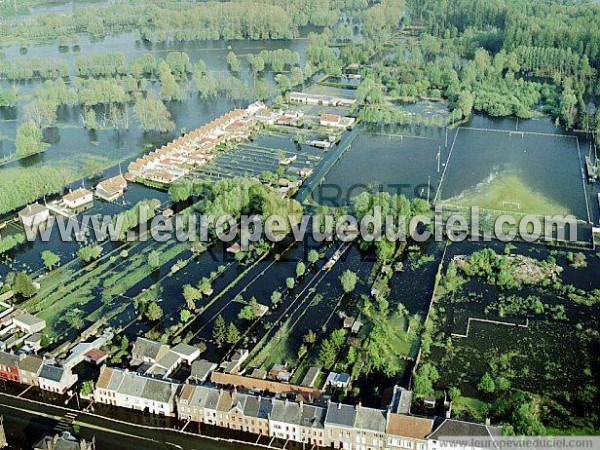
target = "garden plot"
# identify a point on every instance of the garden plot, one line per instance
(259, 282)
(313, 308)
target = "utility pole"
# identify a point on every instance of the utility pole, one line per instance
(439, 157)
(428, 187)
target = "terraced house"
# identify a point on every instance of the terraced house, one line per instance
(130, 390)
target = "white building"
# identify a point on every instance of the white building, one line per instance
(130, 390)
(77, 198)
(285, 420)
(111, 188)
(29, 323)
(56, 379)
(34, 214)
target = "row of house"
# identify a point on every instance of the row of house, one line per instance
(21, 330)
(176, 159)
(328, 424)
(32, 370)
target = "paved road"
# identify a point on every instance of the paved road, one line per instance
(26, 422)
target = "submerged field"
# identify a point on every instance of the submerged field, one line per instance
(540, 339)
(523, 172)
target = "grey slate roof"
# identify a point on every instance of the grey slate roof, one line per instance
(30, 364)
(184, 349)
(159, 391)
(200, 396)
(202, 368)
(313, 416)
(169, 359)
(450, 427)
(402, 400)
(29, 319)
(132, 385)
(251, 407)
(32, 210)
(147, 348)
(9, 359)
(265, 407)
(212, 399)
(286, 412)
(370, 419)
(53, 373)
(341, 415)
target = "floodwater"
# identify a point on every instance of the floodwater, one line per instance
(541, 159)
(548, 355)
(545, 161)
(72, 145)
(398, 160)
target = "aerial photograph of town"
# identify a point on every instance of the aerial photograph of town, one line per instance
(299, 224)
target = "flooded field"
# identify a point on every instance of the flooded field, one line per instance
(528, 169)
(400, 160)
(90, 151)
(536, 336)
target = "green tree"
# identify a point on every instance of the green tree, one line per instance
(276, 297)
(89, 119)
(220, 331)
(205, 286)
(50, 259)
(348, 280)
(185, 315)
(256, 62)
(369, 92)
(191, 296)
(89, 253)
(29, 139)
(23, 285)
(300, 269)
(154, 312)
(424, 379)
(42, 111)
(302, 351)
(181, 189)
(251, 311)
(327, 354)
(169, 89)
(486, 384)
(310, 337)
(154, 260)
(153, 115)
(454, 393)
(290, 283)
(233, 62)
(233, 334)
(313, 256)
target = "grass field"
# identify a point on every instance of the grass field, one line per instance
(508, 192)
